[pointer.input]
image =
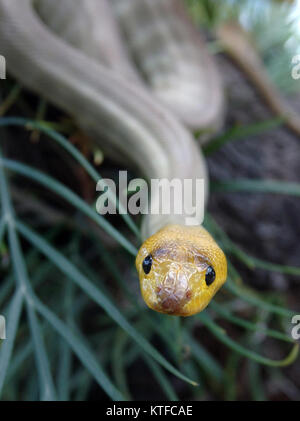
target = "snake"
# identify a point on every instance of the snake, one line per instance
(136, 77)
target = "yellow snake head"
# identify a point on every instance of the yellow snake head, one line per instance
(180, 269)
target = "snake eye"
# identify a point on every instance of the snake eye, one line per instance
(210, 275)
(147, 263)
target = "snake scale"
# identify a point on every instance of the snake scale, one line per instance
(136, 77)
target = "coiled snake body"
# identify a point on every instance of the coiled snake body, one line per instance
(71, 53)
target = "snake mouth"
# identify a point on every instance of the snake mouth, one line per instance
(172, 303)
(173, 293)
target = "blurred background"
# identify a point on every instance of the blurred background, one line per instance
(88, 334)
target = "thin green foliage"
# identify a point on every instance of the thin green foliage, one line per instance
(69, 196)
(256, 327)
(95, 294)
(223, 337)
(63, 142)
(174, 334)
(257, 186)
(240, 132)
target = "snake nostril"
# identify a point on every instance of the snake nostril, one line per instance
(173, 293)
(188, 295)
(171, 304)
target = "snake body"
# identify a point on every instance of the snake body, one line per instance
(180, 267)
(173, 59)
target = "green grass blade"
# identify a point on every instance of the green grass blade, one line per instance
(231, 383)
(240, 132)
(245, 293)
(118, 356)
(162, 379)
(2, 229)
(47, 389)
(19, 358)
(13, 318)
(249, 325)
(256, 383)
(65, 352)
(206, 361)
(10, 99)
(249, 296)
(250, 261)
(6, 288)
(220, 333)
(71, 197)
(253, 262)
(96, 295)
(256, 186)
(62, 141)
(82, 352)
